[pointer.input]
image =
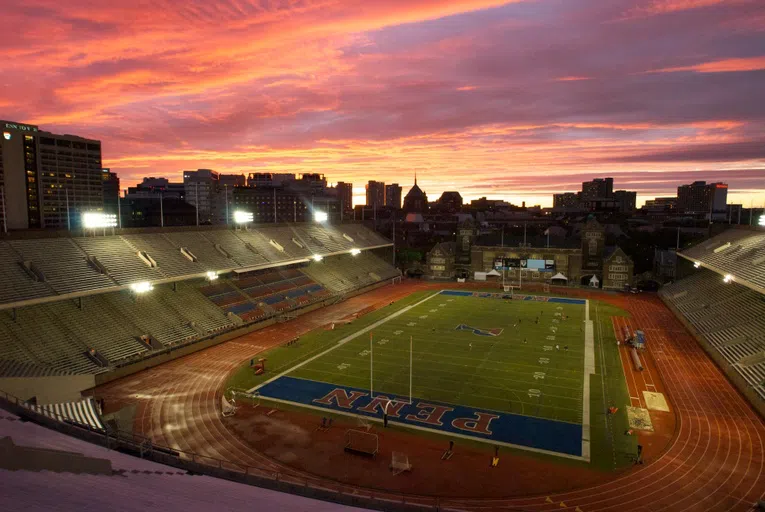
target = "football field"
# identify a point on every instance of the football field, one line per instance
(471, 364)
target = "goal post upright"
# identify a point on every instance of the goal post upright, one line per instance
(411, 343)
(371, 365)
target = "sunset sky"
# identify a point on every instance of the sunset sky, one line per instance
(515, 100)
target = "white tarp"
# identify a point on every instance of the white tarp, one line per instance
(493, 272)
(559, 276)
(480, 276)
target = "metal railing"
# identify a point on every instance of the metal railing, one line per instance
(314, 487)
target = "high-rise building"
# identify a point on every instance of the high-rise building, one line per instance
(702, 197)
(566, 200)
(111, 187)
(200, 187)
(47, 180)
(625, 200)
(599, 188)
(375, 194)
(345, 195)
(393, 195)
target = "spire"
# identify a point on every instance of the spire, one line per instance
(415, 177)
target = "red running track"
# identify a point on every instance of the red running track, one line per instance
(714, 463)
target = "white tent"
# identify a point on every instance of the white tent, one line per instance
(594, 281)
(493, 272)
(559, 276)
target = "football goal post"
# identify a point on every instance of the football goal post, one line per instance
(227, 408)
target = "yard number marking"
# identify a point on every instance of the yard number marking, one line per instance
(539, 375)
(343, 366)
(554, 329)
(558, 313)
(551, 338)
(441, 305)
(398, 332)
(432, 310)
(544, 360)
(383, 341)
(364, 353)
(411, 324)
(423, 317)
(555, 321)
(547, 348)
(534, 392)
(559, 308)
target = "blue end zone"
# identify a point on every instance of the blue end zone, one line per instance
(515, 296)
(550, 435)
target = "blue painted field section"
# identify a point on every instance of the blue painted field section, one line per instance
(514, 296)
(494, 426)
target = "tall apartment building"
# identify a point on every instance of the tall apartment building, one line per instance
(566, 200)
(47, 180)
(393, 195)
(375, 194)
(599, 188)
(111, 187)
(345, 195)
(702, 197)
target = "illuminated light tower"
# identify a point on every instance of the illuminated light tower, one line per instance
(697, 264)
(98, 220)
(355, 252)
(762, 221)
(242, 218)
(212, 275)
(320, 217)
(728, 278)
(141, 287)
(317, 257)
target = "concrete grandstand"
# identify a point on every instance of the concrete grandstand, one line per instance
(722, 302)
(67, 304)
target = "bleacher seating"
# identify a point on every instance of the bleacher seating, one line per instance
(739, 252)
(105, 325)
(728, 316)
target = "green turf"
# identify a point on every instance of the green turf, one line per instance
(496, 373)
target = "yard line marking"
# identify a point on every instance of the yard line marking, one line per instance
(589, 369)
(346, 340)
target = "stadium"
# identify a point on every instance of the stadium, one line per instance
(292, 366)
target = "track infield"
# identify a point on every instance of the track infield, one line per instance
(511, 372)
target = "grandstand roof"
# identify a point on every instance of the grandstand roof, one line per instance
(739, 252)
(38, 270)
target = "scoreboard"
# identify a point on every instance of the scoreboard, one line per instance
(523, 263)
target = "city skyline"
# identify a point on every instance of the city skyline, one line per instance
(513, 101)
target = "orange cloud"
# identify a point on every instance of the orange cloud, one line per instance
(719, 66)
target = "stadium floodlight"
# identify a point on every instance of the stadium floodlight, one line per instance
(762, 220)
(141, 287)
(317, 257)
(320, 216)
(728, 278)
(212, 275)
(241, 217)
(97, 220)
(355, 252)
(697, 264)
